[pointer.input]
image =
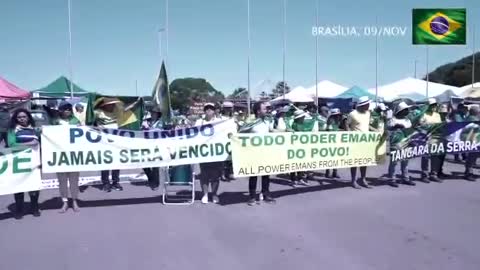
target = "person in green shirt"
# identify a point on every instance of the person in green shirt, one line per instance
(460, 115)
(333, 124)
(472, 156)
(299, 125)
(66, 179)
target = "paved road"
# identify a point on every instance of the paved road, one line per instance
(329, 226)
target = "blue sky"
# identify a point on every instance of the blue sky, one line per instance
(115, 42)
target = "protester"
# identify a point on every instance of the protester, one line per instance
(22, 133)
(108, 113)
(299, 125)
(431, 117)
(153, 174)
(378, 118)
(472, 156)
(211, 172)
(359, 120)
(444, 113)
(80, 113)
(260, 126)
(66, 179)
(280, 121)
(322, 118)
(396, 126)
(460, 115)
(334, 122)
(227, 114)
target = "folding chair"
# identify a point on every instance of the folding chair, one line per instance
(179, 176)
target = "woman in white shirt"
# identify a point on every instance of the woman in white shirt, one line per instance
(211, 172)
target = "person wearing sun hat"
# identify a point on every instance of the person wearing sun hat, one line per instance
(359, 120)
(396, 126)
(333, 124)
(431, 117)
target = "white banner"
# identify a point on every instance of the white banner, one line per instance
(19, 170)
(71, 148)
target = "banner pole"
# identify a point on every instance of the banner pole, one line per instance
(70, 47)
(426, 89)
(376, 62)
(316, 56)
(473, 56)
(248, 58)
(284, 43)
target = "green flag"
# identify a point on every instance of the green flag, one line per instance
(161, 95)
(115, 112)
(439, 26)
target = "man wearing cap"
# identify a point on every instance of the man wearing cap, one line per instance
(299, 125)
(211, 172)
(359, 120)
(260, 126)
(396, 126)
(431, 117)
(111, 113)
(472, 156)
(333, 124)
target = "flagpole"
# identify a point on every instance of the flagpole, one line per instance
(248, 58)
(426, 89)
(166, 32)
(415, 68)
(376, 63)
(136, 88)
(160, 32)
(316, 57)
(70, 47)
(473, 56)
(284, 42)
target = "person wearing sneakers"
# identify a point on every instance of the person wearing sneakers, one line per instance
(68, 179)
(431, 117)
(444, 115)
(396, 125)
(299, 126)
(359, 120)
(211, 172)
(333, 124)
(261, 125)
(474, 116)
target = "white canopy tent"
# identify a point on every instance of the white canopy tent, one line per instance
(411, 87)
(469, 91)
(326, 89)
(298, 94)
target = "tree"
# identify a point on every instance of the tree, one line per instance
(239, 93)
(278, 90)
(185, 91)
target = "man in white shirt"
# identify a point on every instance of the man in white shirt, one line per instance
(359, 120)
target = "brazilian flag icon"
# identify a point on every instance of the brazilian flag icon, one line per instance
(439, 26)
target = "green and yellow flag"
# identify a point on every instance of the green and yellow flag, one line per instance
(115, 112)
(439, 26)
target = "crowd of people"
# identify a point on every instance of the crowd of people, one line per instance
(265, 119)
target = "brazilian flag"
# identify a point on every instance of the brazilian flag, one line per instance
(125, 112)
(439, 26)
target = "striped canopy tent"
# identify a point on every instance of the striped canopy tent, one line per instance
(60, 88)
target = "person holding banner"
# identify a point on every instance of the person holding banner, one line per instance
(112, 113)
(211, 172)
(333, 124)
(444, 113)
(460, 115)
(280, 122)
(396, 125)
(431, 117)
(66, 118)
(472, 156)
(359, 120)
(23, 134)
(153, 174)
(261, 125)
(299, 125)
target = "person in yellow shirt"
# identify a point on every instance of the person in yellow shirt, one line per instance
(431, 117)
(359, 120)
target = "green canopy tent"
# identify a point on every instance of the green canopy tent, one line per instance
(60, 88)
(355, 93)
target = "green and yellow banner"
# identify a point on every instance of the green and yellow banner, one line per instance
(439, 26)
(280, 153)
